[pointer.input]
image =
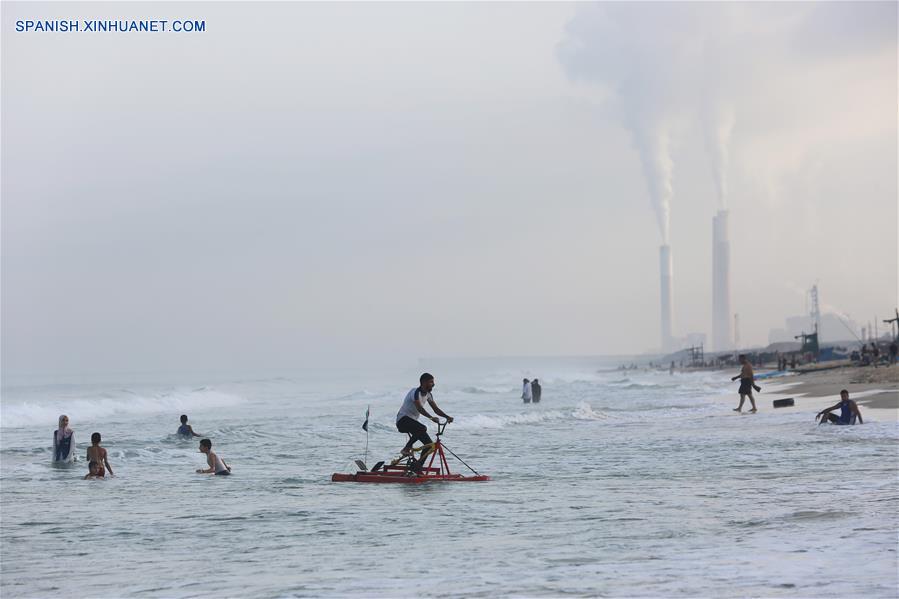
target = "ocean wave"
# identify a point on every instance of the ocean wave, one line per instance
(642, 386)
(583, 411)
(361, 394)
(105, 406)
(483, 391)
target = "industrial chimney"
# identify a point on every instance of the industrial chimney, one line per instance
(722, 335)
(665, 270)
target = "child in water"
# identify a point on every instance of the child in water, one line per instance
(217, 465)
(97, 454)
(95, 471)
(186, 430)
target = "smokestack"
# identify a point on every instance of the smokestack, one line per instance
(722, 335)
(665, 270)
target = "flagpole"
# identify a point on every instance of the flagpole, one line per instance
(367, 412)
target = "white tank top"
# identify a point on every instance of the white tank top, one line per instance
(219, 464)
(408, 408)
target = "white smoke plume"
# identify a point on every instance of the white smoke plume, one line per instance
(665, 61)
(718, 126)
(611, 45)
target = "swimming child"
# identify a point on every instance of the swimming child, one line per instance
(97, 454)
(217, 465)
(95, 471)
(186, 430)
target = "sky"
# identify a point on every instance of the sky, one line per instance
(309, 184)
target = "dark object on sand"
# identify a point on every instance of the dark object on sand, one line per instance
(783, 403)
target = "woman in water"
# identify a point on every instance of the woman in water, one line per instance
(63, 441)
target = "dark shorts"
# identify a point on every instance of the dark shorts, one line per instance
(223, 473)
(745, 387)
(834, 419)
(417, 430)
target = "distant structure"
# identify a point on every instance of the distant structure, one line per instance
(814, 310)
(829, 326)
(666, 296)
(722, 335)
(736, 331)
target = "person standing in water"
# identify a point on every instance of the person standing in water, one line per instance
(63, 441)
(747, 380)
(526, 394)
(536, 390)
(95, 453)
(849, 411)
(216, 464)
(407, 417)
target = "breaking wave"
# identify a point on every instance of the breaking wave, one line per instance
(106, 405)
(583, 411)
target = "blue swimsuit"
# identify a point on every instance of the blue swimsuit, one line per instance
(846, 415)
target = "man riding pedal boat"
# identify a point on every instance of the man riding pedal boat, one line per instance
(407, 418)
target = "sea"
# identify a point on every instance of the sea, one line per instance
(634, 483)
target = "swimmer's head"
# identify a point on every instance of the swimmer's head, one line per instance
(844, 394)
(183, 418)
(95, 438)
(63, 421)
(205, 445)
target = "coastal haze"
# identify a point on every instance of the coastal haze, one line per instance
(275, 223)
(309, 184)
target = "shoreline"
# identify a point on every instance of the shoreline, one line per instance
(875, 389)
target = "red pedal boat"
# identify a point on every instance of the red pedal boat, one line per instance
(401, 470)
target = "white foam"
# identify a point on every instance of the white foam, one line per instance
(46, 413)
(583, 411)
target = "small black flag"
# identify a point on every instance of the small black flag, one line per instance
(365, 424)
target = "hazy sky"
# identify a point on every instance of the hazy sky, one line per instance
(308, 183)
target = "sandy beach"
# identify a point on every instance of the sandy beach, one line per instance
(875, 389)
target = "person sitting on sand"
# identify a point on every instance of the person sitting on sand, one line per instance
(95, 471)
(849, 412)
(186, 430)
(95, 453)
(216, 464)
(747, 382)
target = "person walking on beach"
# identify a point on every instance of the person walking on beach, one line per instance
(747, 381)
(526, 392)
(875, 354)
(95, 453)
(849, 412)
(536, 391)
(894, 349)
(216, 464)
(412, 407)
(186, 430)
(63, 441)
